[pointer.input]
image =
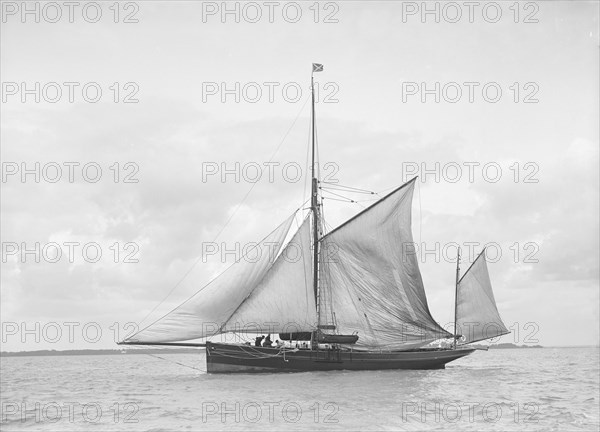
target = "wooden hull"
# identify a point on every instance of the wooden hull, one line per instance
(232, 358)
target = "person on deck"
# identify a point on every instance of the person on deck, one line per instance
(267, 342)
(258, 340)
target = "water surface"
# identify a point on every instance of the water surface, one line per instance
(502, 389)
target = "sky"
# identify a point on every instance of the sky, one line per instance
(127, 127)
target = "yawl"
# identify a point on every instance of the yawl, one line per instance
(351, 298)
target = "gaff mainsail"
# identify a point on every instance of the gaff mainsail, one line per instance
(477, 316)
(370, 278)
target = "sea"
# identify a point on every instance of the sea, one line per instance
(545, 389)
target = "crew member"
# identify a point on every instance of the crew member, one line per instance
(258, 340)
(267, 342)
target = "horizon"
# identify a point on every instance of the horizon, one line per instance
(174, 348)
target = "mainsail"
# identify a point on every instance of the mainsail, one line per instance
(252, 295)
(370, 278)
(477, 316)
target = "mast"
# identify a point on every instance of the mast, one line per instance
(456, 292)
(314, 199)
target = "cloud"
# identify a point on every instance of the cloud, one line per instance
(371, 138)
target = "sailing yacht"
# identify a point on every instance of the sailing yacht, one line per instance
(351, 298)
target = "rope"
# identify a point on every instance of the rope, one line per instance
(176, 362)
(336, 199)
(420, 213)
(336, 186)
(257, 354)
(338, 195)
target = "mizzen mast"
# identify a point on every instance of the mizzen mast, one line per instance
(456, 294)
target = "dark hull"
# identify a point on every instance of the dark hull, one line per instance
(229, 358)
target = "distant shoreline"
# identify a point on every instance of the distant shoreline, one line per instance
(512, 346)
(41, 353)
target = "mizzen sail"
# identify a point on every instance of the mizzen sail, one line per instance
(477, 316)
(370, 278)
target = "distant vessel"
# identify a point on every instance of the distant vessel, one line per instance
(351, 298)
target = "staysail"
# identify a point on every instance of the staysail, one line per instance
(230, 302)
(370, 278)
(477, 316)
(283, 301)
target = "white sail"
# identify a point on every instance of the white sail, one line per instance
(205, 313)
(370, 278)
(477, 316)
(284, 300)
